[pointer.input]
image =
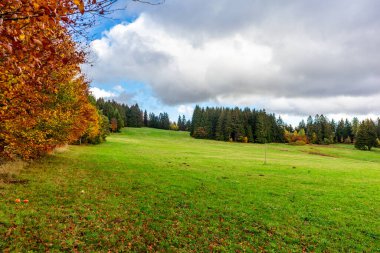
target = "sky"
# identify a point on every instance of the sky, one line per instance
(294, 58)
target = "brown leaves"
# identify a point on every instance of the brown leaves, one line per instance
(43, 98)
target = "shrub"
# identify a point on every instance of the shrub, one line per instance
(348, 140)
(298, 143)
(296, 138)
(327, 141)
(200, 133)
(174, 127)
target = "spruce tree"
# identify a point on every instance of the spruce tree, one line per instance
(366, 135)
(261, 129)
(145, 118)
(339, 134)
(180, 123)
(196, 120)
(347, 133)
(183, 128)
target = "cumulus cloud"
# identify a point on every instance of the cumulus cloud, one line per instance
(101, 93)
(296, 57)
(186, 110)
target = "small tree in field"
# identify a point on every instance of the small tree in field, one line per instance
(366, 135)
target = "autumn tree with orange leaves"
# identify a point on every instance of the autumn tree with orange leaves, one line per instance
(44, 98)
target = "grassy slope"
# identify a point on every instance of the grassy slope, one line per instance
(158, 190)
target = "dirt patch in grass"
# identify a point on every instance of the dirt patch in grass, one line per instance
(319, 153)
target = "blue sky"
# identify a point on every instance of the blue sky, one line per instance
(294, 59)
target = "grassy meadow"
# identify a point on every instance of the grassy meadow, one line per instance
(153, 190)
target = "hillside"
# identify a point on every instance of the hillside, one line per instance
(155, 190)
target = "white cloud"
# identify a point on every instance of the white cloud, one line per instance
(293, 58)
(186, 110)
(334, 106)
(101, 93)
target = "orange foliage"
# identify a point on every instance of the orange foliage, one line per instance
(296, 138)
(43, 96)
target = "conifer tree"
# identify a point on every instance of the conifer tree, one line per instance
(366, 135)
(196, 120)
(339, 134)
(145, 118)
(347, 130)
(261, 129)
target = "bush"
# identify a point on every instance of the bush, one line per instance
(296, 138)
(377, 145)
(348, 140)
(298, 143)
(174, 127)
(200, 133)
(327, 141)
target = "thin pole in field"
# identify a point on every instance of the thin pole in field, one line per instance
(265, 152)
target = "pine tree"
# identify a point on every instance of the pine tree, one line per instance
(196, 120)
(339, 134)
(261, 129)
(355, 127)
(366, 135)
(119, 120)
(309, 127)
(145, 118)
(219, 134)
(347, 133)
(180, 123)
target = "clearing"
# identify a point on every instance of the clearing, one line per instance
(154, 190)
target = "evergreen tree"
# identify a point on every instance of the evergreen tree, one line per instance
(119, 120)
(180, 123)
(366, 135)
(145, 118)
(301, 125)
(196, 120)
(261, 129)
(339, 134)
(227, 125)
(333, 125)
(219, 134)
(134, 116)
(347, 133)
(188, 125)
(309, 127)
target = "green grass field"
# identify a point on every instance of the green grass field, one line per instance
(152, 190)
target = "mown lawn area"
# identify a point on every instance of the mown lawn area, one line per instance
(154, 190)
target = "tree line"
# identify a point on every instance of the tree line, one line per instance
(121, 115)
(235, 124)
(246, 125)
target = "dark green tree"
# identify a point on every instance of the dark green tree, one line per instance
(347, 133)
(339, 133)
(366, 135)
(261, 129)
(355, 128)
(196, 121)
(145, 118)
